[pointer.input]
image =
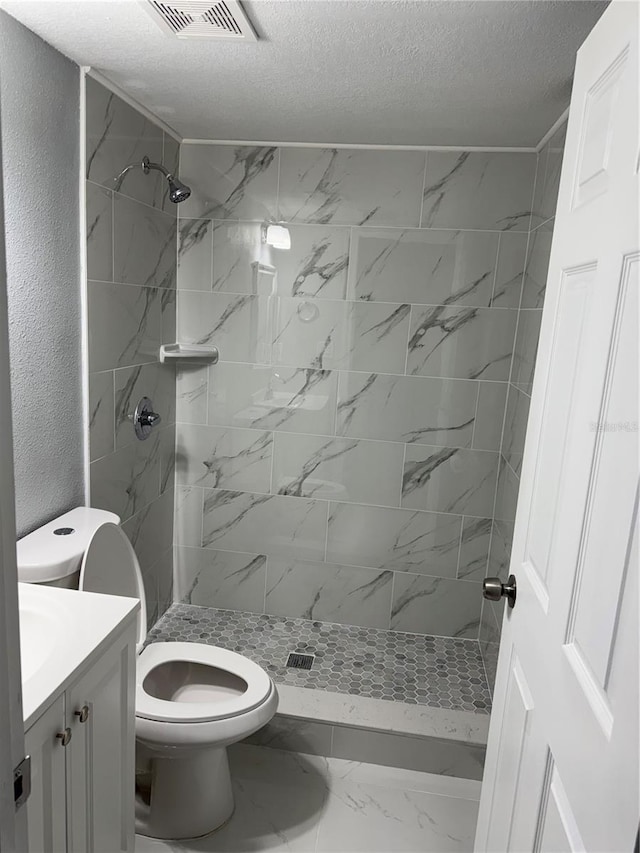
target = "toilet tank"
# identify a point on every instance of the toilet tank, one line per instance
(52, 554)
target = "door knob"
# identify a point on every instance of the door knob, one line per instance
(144, 418)
(493, 589)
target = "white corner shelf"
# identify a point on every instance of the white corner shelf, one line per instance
(188, 353)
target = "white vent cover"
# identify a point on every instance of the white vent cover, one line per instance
(223, 19)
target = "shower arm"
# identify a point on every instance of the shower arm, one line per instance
(146, 165)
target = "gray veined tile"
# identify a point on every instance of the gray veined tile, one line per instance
(296, 400)
(500, 551)
(401, 540)
(440, 606)
(127, 480)
(464, 343)
(221, 579)
(230, 182)
(237, 248)
(478, 190)
(474, 548)
(349, 335)
(489, 639)
(168, 305)
(526, 349)
(537, 266)
(192, 387)
(163, 571)
(317, 263)
(507, 493)
(492, 398)
(448, 479)
(195, 254)
(343, 594)
(150, 530)
(337, 469)
(117, 135)
(224, 458)
(350, 187)
(144, 244)
(124, 325)
(99, 233)
(548, 177)
(507, 286)
(422, 267)
(515, 427)
(167, 438)
(188, 520)
(238, 325)
(101, 414)
(408, 409)
(156, 381)
(171, 161)
(275, 525)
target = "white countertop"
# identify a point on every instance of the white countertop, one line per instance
(63, 629)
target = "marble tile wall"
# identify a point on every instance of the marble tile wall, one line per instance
(131, 271)
(340, 461)
(522, 368)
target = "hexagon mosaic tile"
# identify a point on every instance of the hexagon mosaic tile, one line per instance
(419, 670)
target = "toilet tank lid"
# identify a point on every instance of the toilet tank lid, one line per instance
(55, 550)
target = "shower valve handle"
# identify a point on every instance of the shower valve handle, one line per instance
(145, 419)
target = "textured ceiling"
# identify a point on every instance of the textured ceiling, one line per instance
(345, 71)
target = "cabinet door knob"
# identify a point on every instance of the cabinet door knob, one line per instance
(64, 737)
(82, 714)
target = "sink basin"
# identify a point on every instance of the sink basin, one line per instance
(40, 629)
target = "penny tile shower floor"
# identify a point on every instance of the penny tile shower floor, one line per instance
(437, 671)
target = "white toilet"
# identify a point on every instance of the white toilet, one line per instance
(192, 699)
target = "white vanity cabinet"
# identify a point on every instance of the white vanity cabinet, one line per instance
(82, 750)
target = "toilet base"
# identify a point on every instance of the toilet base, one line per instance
(185, 797)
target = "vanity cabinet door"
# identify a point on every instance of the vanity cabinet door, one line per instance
(101, 762)
(45, 807)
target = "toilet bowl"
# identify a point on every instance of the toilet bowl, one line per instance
(192, 700)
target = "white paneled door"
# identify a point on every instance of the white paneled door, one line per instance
(562, 763)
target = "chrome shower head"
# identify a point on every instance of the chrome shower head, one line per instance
(177, 190)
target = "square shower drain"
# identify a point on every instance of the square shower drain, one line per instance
(295, 661)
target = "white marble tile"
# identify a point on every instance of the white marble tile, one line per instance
(509, 270)
(492, 398)
(349, 335)
(195, 254)
(229, 182)
(156, 381)
(423, 267)
(500, 552)
(507, 493)
(144, 244)
(220, 579)
(463, 343)
(372, 819)
(478, 190)
(447, 759)
(409, 409)
(124, 325)
(237, 248)
(337, 469)
(150, 530)
(548, 176)
(440, 606)
(515, 427)
(239, 325)
(99, 233)
(474, 548)
(526, 349)
(296, 400)
(168, 303)
(101, 414)
(275, 525)
(489, 639)
(388, 776)
(350, 187)
(304, 736)
(316, 265)
(188, 521)
(446, 479)
(537, 266)
(398, 539)
(167, 441)
(163, 570)
(127, 480)
(192, 387)
(117, 135)
(224, 458)
(171, 161)
(330, 593)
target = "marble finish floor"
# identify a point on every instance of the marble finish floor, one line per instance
(291, 802)
(441, 672)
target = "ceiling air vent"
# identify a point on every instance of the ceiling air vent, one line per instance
(203, 19)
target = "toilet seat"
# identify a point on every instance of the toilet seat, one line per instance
(259, 685)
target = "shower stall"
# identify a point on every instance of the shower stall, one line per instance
(328, 497)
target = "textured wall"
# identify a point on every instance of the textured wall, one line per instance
(131, 266)
(40, 138)
(520, 384)
(340, 462)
